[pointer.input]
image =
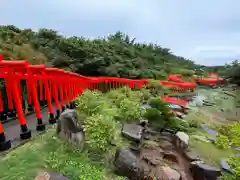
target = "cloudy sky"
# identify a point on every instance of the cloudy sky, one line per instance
(207, 31)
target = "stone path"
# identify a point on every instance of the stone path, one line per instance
(12, 129)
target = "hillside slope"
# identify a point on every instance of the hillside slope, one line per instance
(115, 55)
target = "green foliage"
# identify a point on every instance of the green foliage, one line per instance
(104, 111)
(194, 123)
(127, 102)
(91, 103)
(228, 176)
(232, 131)
(129, 110)
(234, 162)
(116, 55)
(101, 131)
(153, 115)
(162, 116)
(222, 142)
(184, 72)
(159, 104)
(156, 88)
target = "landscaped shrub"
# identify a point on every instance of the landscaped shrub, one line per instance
(234, 162)
(222, 142)
(101, 131)
(145, 95)
(194, 123)
(156, 88)
(129, 110)
(153, 115)
(159, 104)
(232, 131)
(90, 102)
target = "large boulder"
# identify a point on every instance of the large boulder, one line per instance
(204, 171)
(167, 173)
(127, 164)
(133, 132)
(191, 155)
(71, 128)
(181, 140)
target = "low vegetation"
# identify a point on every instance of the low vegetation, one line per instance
(48, 152)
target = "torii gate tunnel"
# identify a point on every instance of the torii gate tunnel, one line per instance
(36, 85)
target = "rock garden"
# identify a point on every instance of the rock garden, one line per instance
(128, 134)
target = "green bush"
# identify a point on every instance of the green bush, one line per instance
(234, 163)
(90, 102)
(222, 142)
(153, 115)
(232, 131)
(228, 176)
(129, 110)
(156, 88)
(176, 125)
(101, 131)
(145, 95)
(159, 104)
(194, 123)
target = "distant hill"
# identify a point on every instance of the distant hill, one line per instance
(115, 55)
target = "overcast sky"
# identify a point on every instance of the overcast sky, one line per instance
(207, 31)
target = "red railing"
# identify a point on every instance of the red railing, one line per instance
(54, 85)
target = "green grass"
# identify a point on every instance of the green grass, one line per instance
(47, 152)
(208, 151)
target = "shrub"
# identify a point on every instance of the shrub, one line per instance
(194, 123)
(101, 131)
(159, 104)
(222, 142)
(129, 110)
(155, 87)
(90, 102)
(234, 162)
(145, 95)
(153, 115)
(232, 131)
(176, 125)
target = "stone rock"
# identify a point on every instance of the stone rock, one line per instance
(191, 156)
(167, 173)
(132, 131)
(143, 123)
(181, 140)
(128, 165)
(166, 145)
(50, 176)
(225, 166)
(171, 156)
(202, 171)
(183, 137)
(152, 156)
(71, 128)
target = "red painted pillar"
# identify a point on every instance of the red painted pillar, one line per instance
(33, 83)
(55, 96)
(11, 80)
(52, 119)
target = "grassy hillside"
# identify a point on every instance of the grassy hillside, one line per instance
(115, 55)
